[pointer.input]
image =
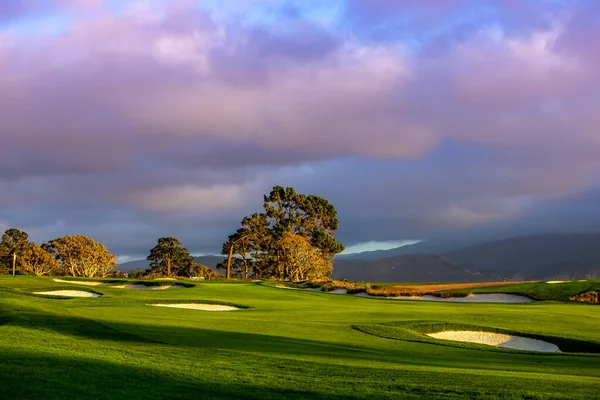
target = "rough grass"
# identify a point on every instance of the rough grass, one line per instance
(587, 297)
(407, 289)
(290, 345)
(581, 291)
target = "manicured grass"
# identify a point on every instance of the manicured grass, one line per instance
(288, 344)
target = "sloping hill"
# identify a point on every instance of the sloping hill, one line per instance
(406, 268)
(534, 257)
(424, 247)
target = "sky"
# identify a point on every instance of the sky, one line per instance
(417, 119)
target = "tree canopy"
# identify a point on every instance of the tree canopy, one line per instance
(80, 255)
(169, 258)
(292, 223)
(14, 242)
(38, 261)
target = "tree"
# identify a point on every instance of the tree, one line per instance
(80, 255)
(245, 241)
(309, 216)
(137, 273)
(299, 260)
(258, 243)
(38, 261)
(14, 243)
(169, 258)
(202, 271)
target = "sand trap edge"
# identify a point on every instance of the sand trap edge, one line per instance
(69, 293)
(140, 286)
(85, 283)
(494, 339)
(198, 306)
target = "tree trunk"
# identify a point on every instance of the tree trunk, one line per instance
(229, 261)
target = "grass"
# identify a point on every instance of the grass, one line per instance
(288, 344)
(545, 291)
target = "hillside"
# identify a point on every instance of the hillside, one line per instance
(534, 257)
(406, 268)
(424, 247)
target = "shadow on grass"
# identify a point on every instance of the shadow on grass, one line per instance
(85, 328)
(30, 376)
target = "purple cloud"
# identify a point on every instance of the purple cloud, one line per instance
(166, 112)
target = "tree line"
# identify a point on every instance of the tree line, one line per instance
(292, 239)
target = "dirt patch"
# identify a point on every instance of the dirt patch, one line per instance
(496, 340)
(197, 306)
(69, 293)
(587, 297)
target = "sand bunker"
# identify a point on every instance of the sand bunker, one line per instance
(286, 287)
(339, 291)
(87, 283)
(69, 293)
(474, 298)
(497, 340)
(557, 281)
(144, 287)
(196, 306)
(294, 288)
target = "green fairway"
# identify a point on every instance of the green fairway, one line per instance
(285, 344)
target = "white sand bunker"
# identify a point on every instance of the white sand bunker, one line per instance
(69, 293)
(474, 298)
(497, 340)
(144, 287)
(295, 288)
(87, 283)
(553, 282)
(339, 291)
(197, 306)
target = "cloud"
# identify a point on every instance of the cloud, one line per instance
(190, 198)
(442, 116)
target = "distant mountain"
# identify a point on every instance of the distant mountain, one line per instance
(424, 247)
(404, 268)
(131, 265)
(552, 256)
(534, 257)
(210, 261)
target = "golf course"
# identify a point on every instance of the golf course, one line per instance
(271, 343)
